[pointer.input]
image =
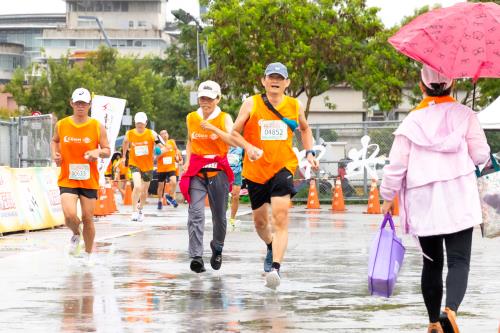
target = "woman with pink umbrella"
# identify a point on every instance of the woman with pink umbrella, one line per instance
(432, 164)
(436, 148)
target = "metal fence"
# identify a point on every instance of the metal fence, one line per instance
(338, 140)
(25, 141)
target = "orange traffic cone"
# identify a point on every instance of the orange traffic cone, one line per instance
(110, 200)
(373, 200)
(312, 199)
(395, 206)
(100, 203)
(127, 199)
(338, 197)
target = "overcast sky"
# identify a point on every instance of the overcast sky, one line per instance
(390, 13)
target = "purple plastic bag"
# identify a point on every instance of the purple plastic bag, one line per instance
(386, 257)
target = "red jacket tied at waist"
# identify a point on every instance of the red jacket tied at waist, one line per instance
(196, 163)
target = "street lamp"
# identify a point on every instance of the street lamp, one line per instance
(85, 17)
(186, 18)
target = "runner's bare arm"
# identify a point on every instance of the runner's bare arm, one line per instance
(307, 138)
(103, 151)
(55, 148)
(252, 152)
(224, 135)
(188, 150)
(125, 147)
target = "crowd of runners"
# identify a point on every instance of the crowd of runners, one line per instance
(219, 155)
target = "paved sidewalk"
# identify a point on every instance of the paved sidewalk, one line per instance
(142, 283)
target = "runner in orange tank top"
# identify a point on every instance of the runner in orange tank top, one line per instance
(270, 162)
(77, 143)
(207, 172)
(144, 144)
(166, 170)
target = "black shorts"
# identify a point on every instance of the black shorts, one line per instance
(86, 192)
(146, 176)
(163, 176)
(279, 185)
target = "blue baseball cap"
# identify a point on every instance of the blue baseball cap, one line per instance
(276, 68)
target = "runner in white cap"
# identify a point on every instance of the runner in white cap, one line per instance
(144, 144)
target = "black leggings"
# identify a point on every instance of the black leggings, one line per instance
(458, 249)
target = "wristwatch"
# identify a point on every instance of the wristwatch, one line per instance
(310, 151)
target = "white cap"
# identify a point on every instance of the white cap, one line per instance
(430, 76)
(140, 117)
(210, 89)
(81, 95)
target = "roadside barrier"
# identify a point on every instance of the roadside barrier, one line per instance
(373, 200)
(338, 204)
(29, 199)
(313, 199)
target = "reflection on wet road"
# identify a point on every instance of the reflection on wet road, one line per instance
(141, 281)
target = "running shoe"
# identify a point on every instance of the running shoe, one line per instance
(171, 201)
(140, 216)
(268, 261)
(273, 279)
(88, 260)
(216, 259)
(232, 222)
(197, 265)
(135, 217)
(160, 205)
(75, 247)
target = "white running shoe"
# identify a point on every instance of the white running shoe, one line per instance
(75, 247)
(135, 217)
(273, 279)
(88, 260)
(140, 216)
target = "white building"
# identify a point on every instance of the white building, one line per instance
(134, 27)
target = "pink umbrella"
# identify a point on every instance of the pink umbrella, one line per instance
(461, 41)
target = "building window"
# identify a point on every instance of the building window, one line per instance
(138, 43)
(130, 42)
(124, 6)
(142, 23)
(130, 24)
(107, 6)
(72, 42)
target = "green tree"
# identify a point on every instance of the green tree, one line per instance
(105, 73)
(319, 41)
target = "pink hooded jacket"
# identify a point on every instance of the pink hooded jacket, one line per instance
(432, 163)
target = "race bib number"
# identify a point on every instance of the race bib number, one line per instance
(79, 171)
(141, 150)
(211, 165)
(273, 130)
(167, 160)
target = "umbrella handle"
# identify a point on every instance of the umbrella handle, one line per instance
(474, 97)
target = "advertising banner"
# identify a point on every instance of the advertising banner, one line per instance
(47, 180)
(9, 216)
(109, 112)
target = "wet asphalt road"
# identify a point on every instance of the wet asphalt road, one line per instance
(141, 281)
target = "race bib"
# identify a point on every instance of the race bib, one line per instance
(79, 171)
(211, 165)
(141, 150)
(167, 160)
(273, 130)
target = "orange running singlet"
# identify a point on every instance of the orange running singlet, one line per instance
(206, 142)
(166, 161)
(141, 149)
(74, 141)
(266, 131)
